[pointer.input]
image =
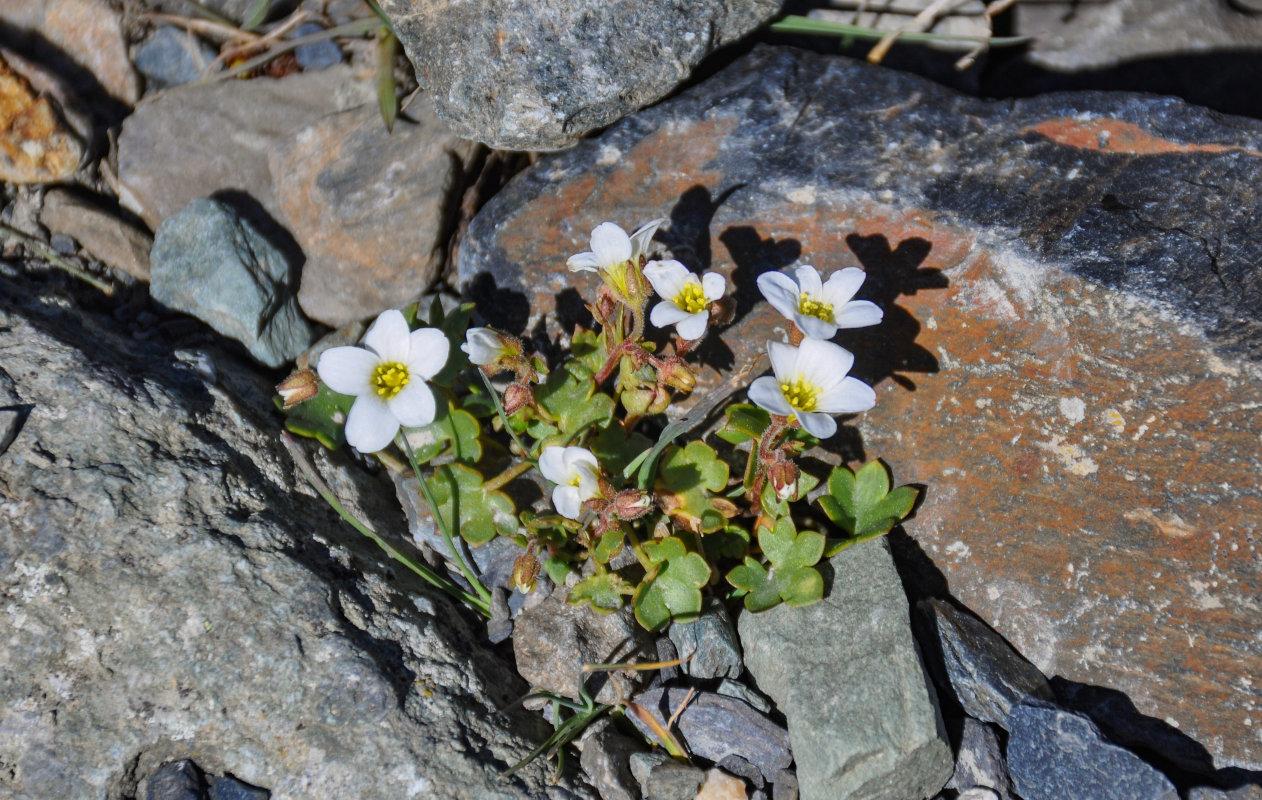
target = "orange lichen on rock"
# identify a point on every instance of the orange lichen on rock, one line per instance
(1121, 137)
(35, 146)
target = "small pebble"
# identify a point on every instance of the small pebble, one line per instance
(317, 55)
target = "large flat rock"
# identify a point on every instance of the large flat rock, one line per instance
(1070, 353)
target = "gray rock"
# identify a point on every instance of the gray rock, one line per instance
(537, 76)
(107, 236)
(979, 762)
(210, 262)
(1251, 791)
(178, 780)
(227, 788)
(642, 765)
(716, 727)
(987, 674)
(709, 644)
(552, 640)
(171, 57)
(863, 717)
(317, 55)
(606, 760)
(167, 156)
(673, 781)
(785, 786)
(1054, 754)
(740, 691)
(170, 589)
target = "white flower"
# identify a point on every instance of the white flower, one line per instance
(484, 346)
(810, 383)
(612, 248)
(387, 377)
(686, 298)
(576, 473)
(819, 309)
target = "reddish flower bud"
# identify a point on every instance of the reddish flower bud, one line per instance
(516, 397)
(300, 386)
(525, 571)
(632, 504)
(783, 476)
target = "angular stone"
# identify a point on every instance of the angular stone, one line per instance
(1251, 791)
(606, 760)
(371, 209)
(709, 643)
(673, 781)
(721, 786)
(169, 589)
(223, 787)
(105, 235)
(537, 76)
(318, 55)
(979, 762)
(988, 676)
(1054, 754)
(862, 715)
(35, 144)
(211, 263)
(172, 57)
(179, 780)
(717, 727)
(1070, 287)
(552, 640)
(194, 141)
(89, 31)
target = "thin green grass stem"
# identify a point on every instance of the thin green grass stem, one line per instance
(499, 409)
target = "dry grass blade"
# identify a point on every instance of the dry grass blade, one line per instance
(921, 22)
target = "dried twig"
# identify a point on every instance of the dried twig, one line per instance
(994, 9)
(921, 22)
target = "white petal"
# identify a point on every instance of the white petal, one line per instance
(780, 291)
(552, 464)
(643, 236)
(567, 501)
(823, 362)
(808, 281)
(784, 359)
(370, 426)
(388, 336)
(765, 392)
(859, 314)
(588, 480)
(583, 262)
(347, 369)
(694, 326)
(610, 244)
(414, 405)
(429, 350)
(666, 313)
(482, 345)
(578, 457)
(821, 426)
(713, 285)
(668, 277)
(842, 285)
(848, 396)
(814, 327)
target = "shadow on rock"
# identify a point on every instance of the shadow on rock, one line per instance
(505, 309)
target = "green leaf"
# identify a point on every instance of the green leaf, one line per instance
(673, 589)
(558, 569)
(730, 541)
(688, 479)
(456, 430)
(587, 350)
(570, 396)
(603, 592)
(744, 423)
(479, 515)
(862, 504)
(792, 576)
(608, 545)
(322, 418)
(615, 448)
(387, 92)
(255, 16)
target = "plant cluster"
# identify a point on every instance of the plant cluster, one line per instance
(641, 510)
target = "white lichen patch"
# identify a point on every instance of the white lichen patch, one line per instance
(1071, 456)
(804, 195)
(1113, 418)
(1073, 409)
(958, 550)
(609, 155)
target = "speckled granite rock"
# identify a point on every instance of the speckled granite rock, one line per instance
(169, 589)
(1070, 287)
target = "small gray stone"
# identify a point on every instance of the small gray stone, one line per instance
(210, 262)
(228, 788)
(862, 715)
(317, 55)
(709, 643)
(1250, 791)
(642, 765)
(716, 727)
(606, 760)
(673, 781)
(979, 762)
(987, 674)
(1054, 754)
(740, 691)
(105, 235)
(63, 244)
(171, 57)
(178, 780)
(785, 786)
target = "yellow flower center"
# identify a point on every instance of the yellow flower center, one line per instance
(801, 395)
(577, 480)
(389, 378)
(691, 298)
(810, 307)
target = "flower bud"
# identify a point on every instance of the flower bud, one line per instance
(300, 386)
(722, 310)
(516, 397)
(491, 349)
(631, 504)
(525, 571)
(679, 376)
(783, 476)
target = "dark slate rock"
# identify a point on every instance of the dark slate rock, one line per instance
(537, 76)
(673, 781)
(1054, 754)
(226, 787)
(714, 727)
(210, 262)
(606, 761)
(740, 691)
(988, 676)
(709, 643)
(178, 780)
(1070, 287)
(785, 786)
(317, 55)
(979, 761)
(1251, 791)
(171, 57)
